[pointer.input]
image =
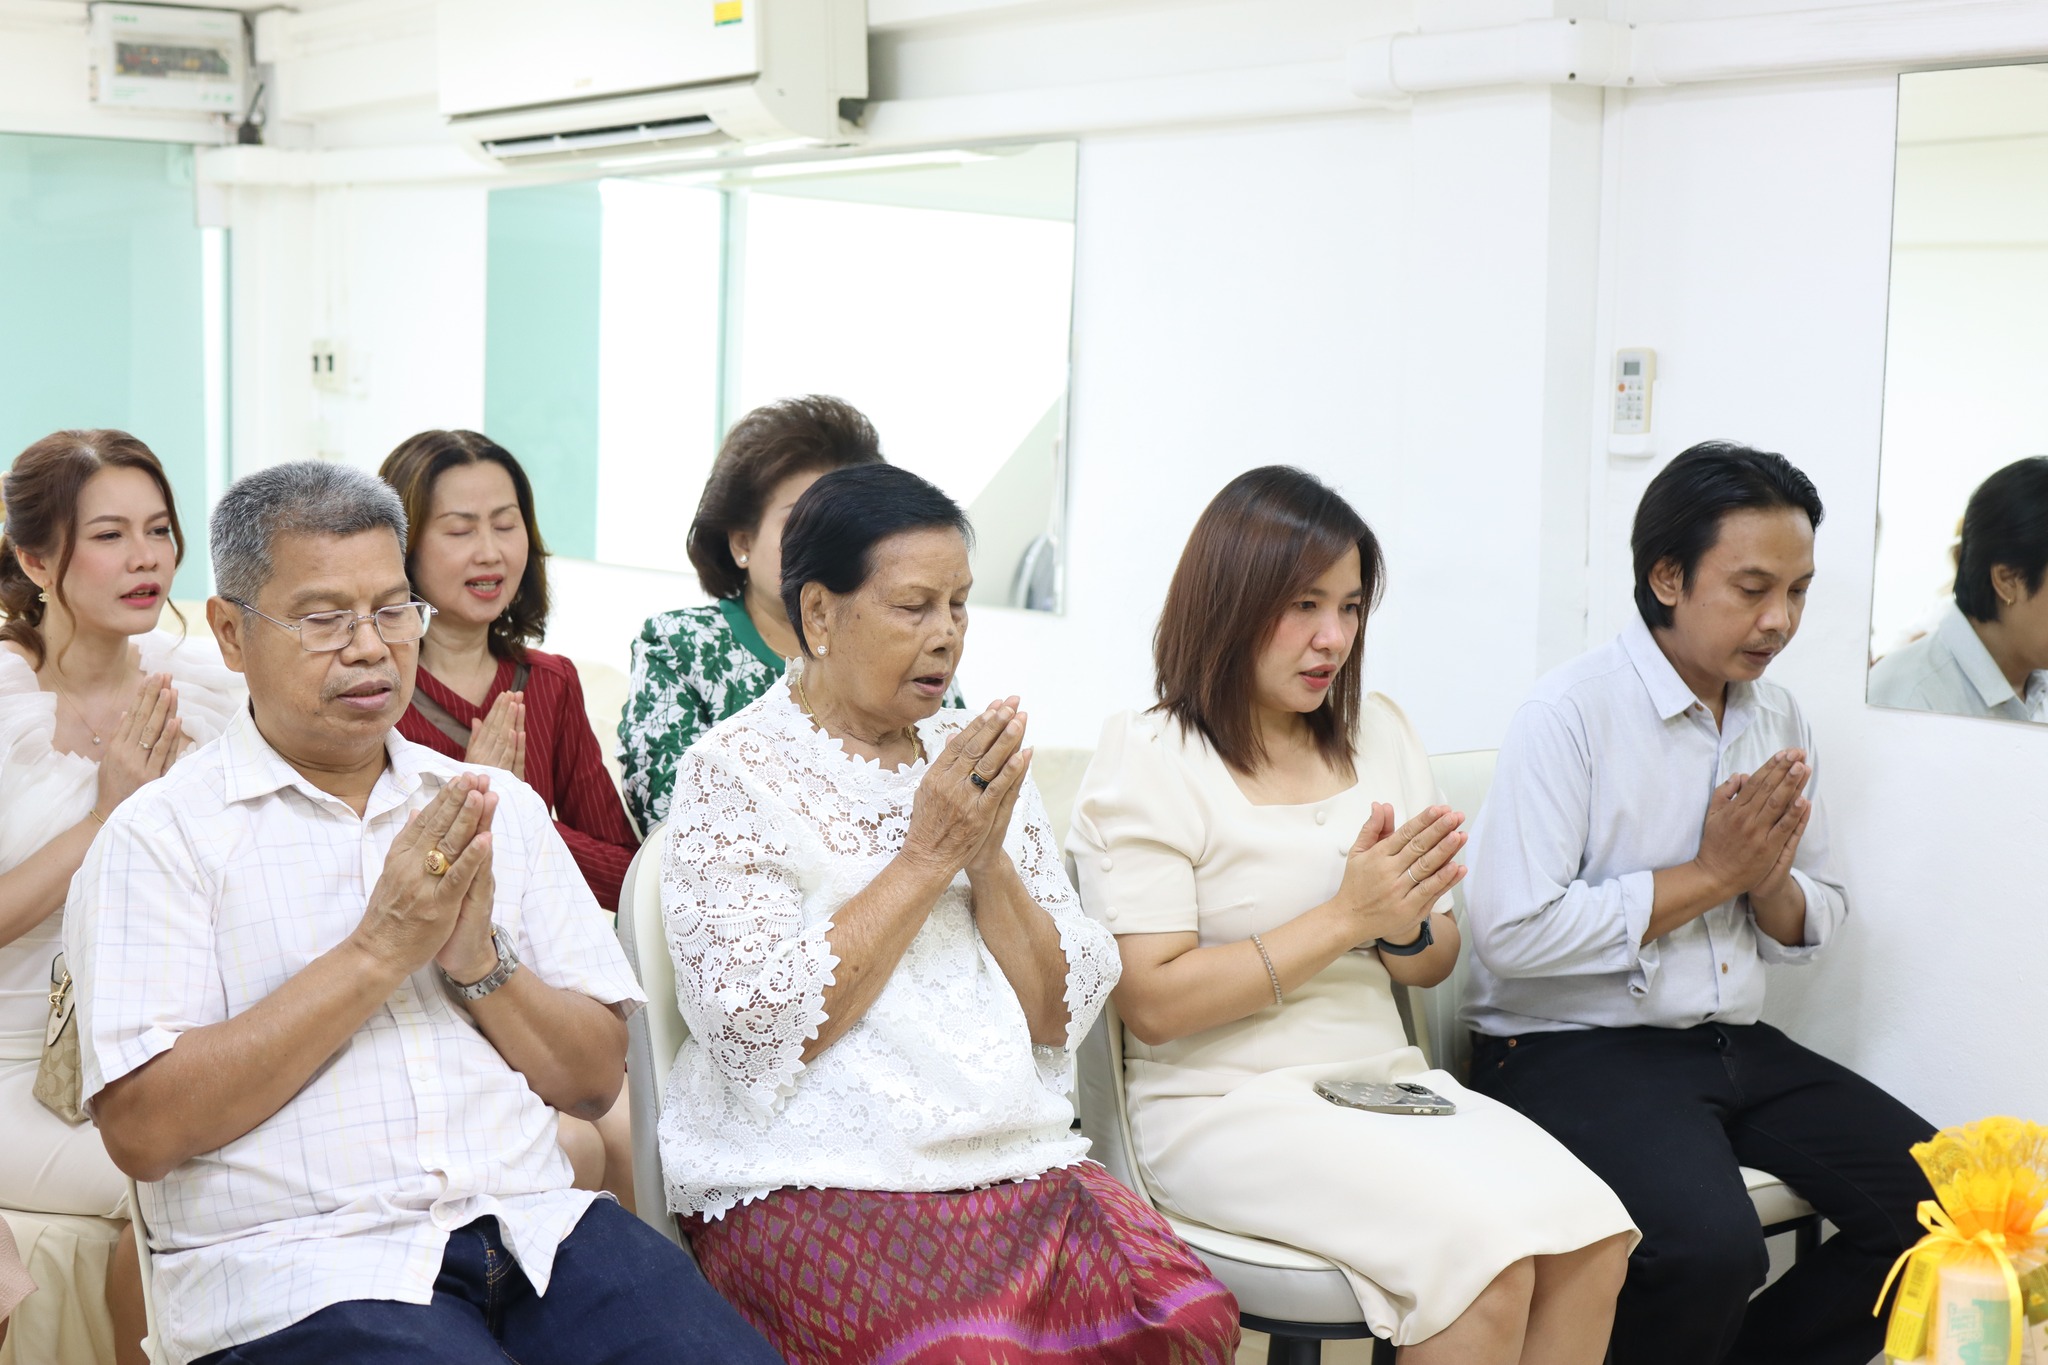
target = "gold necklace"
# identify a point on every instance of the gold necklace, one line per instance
(78, 711)
(803, 704)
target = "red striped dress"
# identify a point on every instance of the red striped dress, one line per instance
(563, 763)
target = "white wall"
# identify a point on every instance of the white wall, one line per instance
(1318, 294)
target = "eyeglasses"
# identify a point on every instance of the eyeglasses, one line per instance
(324, 632)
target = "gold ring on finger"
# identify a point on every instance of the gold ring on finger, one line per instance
(437, 863)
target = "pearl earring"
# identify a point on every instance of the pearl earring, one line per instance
(823, 650)
(743, 561)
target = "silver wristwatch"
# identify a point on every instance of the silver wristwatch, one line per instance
(508, 963)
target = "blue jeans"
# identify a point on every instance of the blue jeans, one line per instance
(620, 1295)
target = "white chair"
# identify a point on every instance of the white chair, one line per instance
(1464, 779)
(654, 1035)
(151, 1347)
(1297, 1298)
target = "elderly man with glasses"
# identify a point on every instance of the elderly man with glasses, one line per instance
(332, 989)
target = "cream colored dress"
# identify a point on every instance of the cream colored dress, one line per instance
(56, 1178)
(1421, 1213)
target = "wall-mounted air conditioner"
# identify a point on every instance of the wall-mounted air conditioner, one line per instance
(636, 82)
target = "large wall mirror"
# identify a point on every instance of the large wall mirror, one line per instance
(638, 316)
(1959, 606)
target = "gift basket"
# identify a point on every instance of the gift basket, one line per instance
(1974, 1290)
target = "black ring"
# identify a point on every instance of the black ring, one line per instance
(980, 782)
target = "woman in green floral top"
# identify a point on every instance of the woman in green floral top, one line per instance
(695, 666)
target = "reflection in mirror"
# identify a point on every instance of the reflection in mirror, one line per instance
(1959, 605)
(639, 318)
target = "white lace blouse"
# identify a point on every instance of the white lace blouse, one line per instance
(773, 826)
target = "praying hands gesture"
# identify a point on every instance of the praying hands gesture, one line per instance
(148, 739)
(1393, 877)
(1754, 824)
(499, 740)
(1747, 847)
(417, 914)
(956, 822)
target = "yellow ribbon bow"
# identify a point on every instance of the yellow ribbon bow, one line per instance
(1945, 1241)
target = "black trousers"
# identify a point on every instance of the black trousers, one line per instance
(1666, 1117)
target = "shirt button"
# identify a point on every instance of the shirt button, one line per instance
(1513, 1041)
(1322, 817)
(1724, 969)
(1109, 913)
(1106, 862)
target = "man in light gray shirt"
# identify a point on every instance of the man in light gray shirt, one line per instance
(1653, 838)
(1989, 654)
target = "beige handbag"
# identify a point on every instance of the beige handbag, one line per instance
(59, 1078)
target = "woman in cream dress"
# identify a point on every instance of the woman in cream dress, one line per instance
(94, 701)
(1264, 910)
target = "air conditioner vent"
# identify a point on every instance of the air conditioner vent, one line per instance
(650, 137)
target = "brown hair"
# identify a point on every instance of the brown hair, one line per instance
(1267, 536)
(768, 445)
(412, 469)
(40, 494)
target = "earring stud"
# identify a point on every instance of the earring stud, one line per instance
(42, 597)
(743, 561)
(823, 650)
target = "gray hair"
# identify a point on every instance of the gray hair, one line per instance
(306, 497)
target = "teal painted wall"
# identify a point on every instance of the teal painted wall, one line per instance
(101, 308)
(540, 350)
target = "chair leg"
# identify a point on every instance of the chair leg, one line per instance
(1293, 1351)
(1806, 1239)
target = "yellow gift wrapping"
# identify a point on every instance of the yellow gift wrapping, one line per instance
(1975, 1288)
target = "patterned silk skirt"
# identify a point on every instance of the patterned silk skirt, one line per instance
(1068, 1267)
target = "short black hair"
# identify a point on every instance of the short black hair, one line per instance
(832, 531)
(2005, 523)
(1679, 518)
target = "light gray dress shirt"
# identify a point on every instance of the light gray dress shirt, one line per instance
(1604, 778)
(1949, 669)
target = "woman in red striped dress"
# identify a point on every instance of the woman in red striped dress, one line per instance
(484, 694)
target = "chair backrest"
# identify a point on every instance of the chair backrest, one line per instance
(605, 693)
(1464, 779)
(1058, 773)
(654, 1034)
(1105, 1113)
(151, 1347)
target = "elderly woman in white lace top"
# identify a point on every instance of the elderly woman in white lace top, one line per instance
(885, 973)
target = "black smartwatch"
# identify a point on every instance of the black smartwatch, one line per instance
(1422, 941)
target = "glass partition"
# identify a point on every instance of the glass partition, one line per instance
(115, 305)
(632, 320)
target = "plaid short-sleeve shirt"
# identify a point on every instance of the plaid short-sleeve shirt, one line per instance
(207, 891)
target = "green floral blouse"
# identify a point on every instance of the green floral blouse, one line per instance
(691, 669)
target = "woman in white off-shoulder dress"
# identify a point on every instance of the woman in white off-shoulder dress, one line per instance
(1266, 846)
(94, 701)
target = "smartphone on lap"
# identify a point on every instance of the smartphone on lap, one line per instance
(1398, 1097)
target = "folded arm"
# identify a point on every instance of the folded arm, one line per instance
(1531, 913)
(221, 1081)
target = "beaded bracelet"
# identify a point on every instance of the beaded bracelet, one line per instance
(1271, 975)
